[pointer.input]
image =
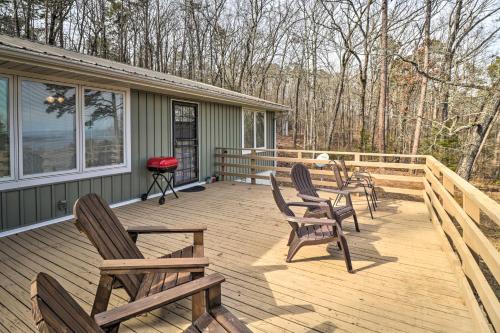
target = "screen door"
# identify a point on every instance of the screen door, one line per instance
(185, 131)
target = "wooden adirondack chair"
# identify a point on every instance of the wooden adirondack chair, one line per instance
(55, 311)
(301, 178)
(311, 231)
(363, 178)
(353, 188)
(123, 261)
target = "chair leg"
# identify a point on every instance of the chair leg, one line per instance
(374, 206)
(347, 255)
(103, 294)
(369, 205)
(290, 238)
(113, 329)
(292, 251)
(374, 200)
(355, 222)
(337, 199)
(374, 192)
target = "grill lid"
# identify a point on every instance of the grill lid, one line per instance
(162, 162)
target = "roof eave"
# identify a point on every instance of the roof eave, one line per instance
(54, 62)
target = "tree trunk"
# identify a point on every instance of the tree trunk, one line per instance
(380, 137)
(478, 134)
(297, 93)
(338, 98)
(363, 79)
(496, 158)
(16, 19)
(448, 59)
(423, 84)
(296, 116)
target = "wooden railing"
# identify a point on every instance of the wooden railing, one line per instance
(395, 175)
(456, 208)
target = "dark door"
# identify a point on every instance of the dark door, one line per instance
(185, 123)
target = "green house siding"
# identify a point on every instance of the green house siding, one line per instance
(220, 126)
(151, 134)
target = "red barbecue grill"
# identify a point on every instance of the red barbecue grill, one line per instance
(158, 167)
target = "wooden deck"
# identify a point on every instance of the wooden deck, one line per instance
(403, 281)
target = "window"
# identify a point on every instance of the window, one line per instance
(48, 128)
(103, 121)
(254, 129)
(5, 168)
(260, 140)
(62, 132)
(248, 128)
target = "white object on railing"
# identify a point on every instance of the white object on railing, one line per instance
(322, 157)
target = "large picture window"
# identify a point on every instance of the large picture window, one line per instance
(5, 157)
(103, 121)
(62, 131)
(48, 127)
(254, 129)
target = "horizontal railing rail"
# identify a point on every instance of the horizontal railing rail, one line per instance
(252, 164)
(456, 208)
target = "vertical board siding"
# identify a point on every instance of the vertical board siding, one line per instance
(151, 134)
(219, 126)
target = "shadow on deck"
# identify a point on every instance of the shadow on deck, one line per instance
(403, 281)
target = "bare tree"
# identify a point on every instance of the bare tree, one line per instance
(423, 84)
(476, 138)
(331, 61)
(380, 135)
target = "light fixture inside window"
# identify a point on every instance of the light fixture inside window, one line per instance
(52, 99)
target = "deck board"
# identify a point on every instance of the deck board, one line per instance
(403, 281)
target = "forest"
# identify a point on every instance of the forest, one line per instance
(412, 77)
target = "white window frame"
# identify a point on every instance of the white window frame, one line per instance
(254, 113)
(18, 180)
(125, 126)
(20, 126)
(12, 149)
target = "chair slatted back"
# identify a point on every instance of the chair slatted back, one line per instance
(94, 216)
(280, 201)
(343, 166)
(54, 310)
(301, 179)
(337, 175)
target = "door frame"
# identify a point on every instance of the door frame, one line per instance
(172, 117)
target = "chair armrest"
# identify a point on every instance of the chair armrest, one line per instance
(163, 229)
(161, 265)
(362, 181)
(332, 190)
(309, 220)
(362, 174)
(312, 198)
(346, 194)
(147, 304)
(307, 204)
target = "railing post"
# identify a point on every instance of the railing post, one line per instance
(252, 166)
(357, 158)
(471, 208)
(299, 154)
(223, 165)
